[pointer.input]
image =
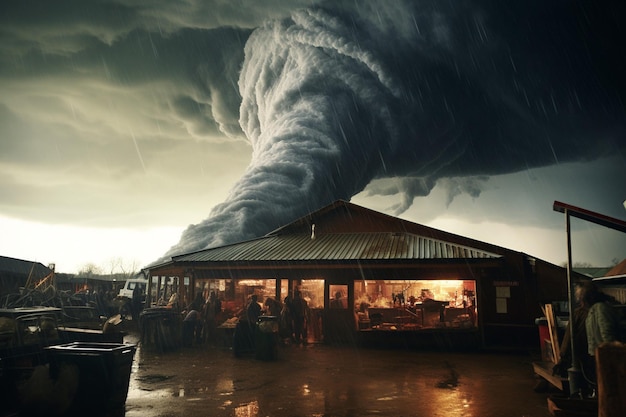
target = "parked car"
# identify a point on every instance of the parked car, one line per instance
(129, 286)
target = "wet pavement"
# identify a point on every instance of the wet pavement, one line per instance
(320, 380)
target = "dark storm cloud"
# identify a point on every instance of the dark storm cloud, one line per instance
(335, 97)
(332, 96)
(196, 47)
(201, 65)
(104, 98)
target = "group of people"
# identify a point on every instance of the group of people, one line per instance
(293, 315)
(594, 321)
(201, 318)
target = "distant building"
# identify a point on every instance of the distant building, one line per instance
(617, 270)
(82, 282)
(17, 273)
(392, 281)
(592, 271)
(614, 283)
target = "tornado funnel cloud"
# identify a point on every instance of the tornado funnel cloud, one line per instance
(316, 110)
(334, 98)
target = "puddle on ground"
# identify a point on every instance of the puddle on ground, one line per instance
(152, 379)
(140, 387)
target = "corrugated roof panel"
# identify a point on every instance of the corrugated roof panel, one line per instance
(313, 248)
(387, 252)
(420, 252)
(295, 247)
(283, 249)
(318, 246)
(288, 248)
(376, 247)
(406, 246)
(359, 247)
(253, 249)
(384, 242)
(300, 249)
(354, 247)
(265, 250)
(410, 248)
(395, 246)
(335, 247)
(339, 247)
(341, 250)
(235, 252)
(304, 247)
(366, 250)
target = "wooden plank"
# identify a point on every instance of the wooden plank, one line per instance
(554, 339)
(544, 370)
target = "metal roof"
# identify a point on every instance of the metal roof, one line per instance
(11, 267)
(337, 247)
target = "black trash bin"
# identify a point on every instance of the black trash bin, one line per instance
(103, 373)
(266, 338)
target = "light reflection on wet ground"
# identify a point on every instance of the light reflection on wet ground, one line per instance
(328, 381)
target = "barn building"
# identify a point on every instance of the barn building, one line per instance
(19, 273)
(370, 278)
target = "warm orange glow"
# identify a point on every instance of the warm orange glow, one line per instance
(247, 410)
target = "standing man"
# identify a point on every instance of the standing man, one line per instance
(298, 315)
(136, 302)
(254, 310)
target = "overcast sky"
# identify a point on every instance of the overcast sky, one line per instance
(137, 130)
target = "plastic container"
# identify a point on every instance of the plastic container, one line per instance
(103, 372)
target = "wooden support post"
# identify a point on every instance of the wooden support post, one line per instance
(611, 374)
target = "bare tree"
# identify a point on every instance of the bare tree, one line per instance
(89, 270)
(122, 267)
